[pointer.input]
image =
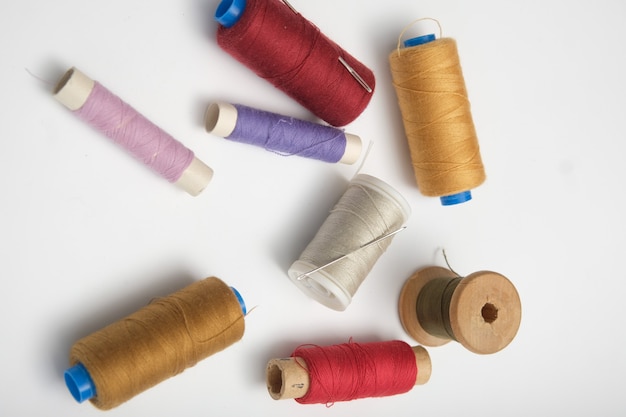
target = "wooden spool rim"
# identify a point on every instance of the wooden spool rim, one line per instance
(408, 301)
(485, 312)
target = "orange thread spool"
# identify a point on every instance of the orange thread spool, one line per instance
(436, 114)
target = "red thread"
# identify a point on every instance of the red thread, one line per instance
(291, 52)
(349, 371)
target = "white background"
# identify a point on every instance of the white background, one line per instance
(89, 235)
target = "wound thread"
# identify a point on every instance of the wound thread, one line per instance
(436, 114)
(368, 210)
(282, 135)
(117, 120)
(351, 371)
(433, 307)
(148, 143)
(290, 52)
(157, 342)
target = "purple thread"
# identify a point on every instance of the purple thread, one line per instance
(288, 136)
(143, 139)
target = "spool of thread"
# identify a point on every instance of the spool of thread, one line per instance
(281, 46)
(481, 311)
(162, 339)
(437, 120)
(104, 111)
(341, 255)
(281, 134)
(325, 375)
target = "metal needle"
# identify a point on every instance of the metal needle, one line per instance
(355, 75)
(290, 6)
(378, 239)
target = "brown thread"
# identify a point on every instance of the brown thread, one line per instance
(433, 307)
(436, 114)
(159, 341)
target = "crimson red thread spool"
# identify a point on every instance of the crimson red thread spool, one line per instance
(281, 46)
(325, 375)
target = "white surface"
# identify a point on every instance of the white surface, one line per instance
(88, 235)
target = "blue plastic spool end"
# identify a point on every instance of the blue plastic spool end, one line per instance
(79, 383)
(419, 40)
(447, 200)
(242, 303)
(450, 200)
(229, 12)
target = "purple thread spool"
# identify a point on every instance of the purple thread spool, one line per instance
(282, 134)
(101, 109)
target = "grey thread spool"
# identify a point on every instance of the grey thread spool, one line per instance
(342, 253)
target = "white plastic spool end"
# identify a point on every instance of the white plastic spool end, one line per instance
(353, 149)
(195, 178)
(221, 119)
(320, 285)
(73, 89)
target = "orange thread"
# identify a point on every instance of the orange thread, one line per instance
(436, 114)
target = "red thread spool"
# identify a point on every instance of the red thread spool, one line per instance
(289, 51)
(345, 372)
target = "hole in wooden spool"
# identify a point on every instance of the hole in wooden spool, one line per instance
(489, 313)
(275, 379)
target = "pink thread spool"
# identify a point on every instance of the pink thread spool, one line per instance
(106, 112)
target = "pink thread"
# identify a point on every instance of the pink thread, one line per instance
(142, 138)
(350, 371)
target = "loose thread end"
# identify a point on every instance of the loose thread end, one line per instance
(445, 257)
(421, 39)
